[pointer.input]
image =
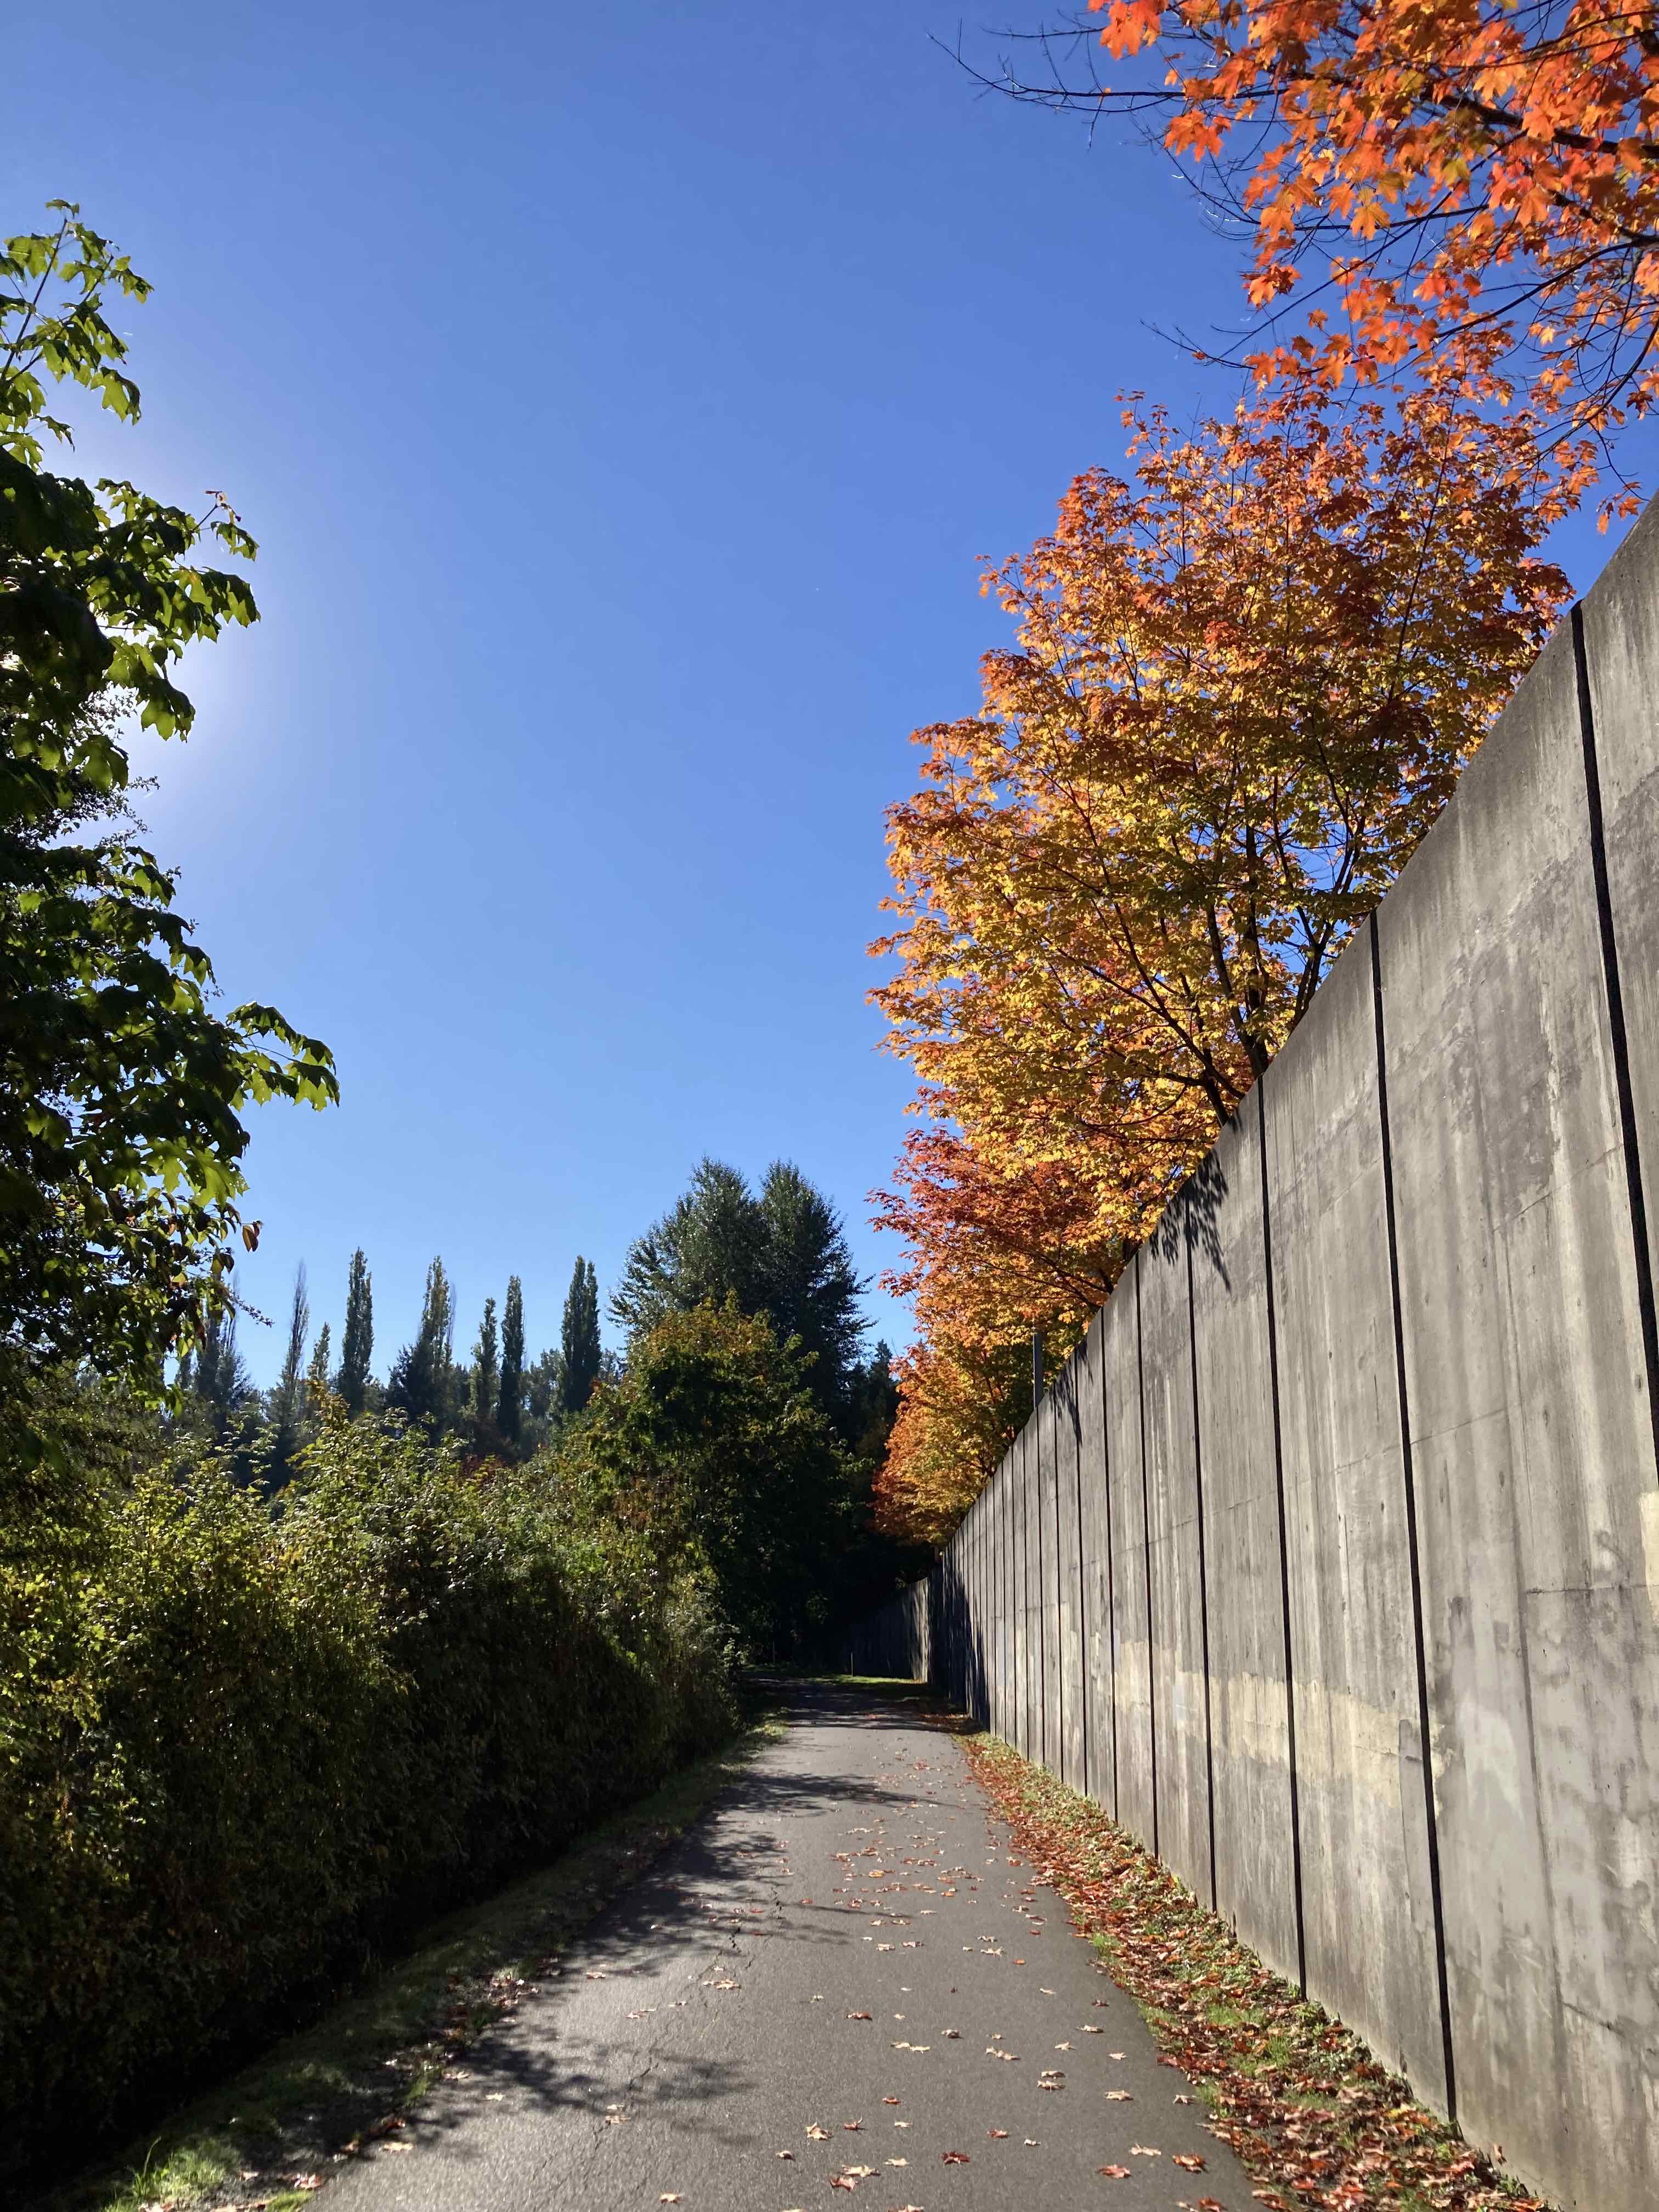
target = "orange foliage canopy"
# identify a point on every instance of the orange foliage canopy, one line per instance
(1453, 168)
(1242, 687)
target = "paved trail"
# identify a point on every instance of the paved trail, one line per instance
(843, 1964)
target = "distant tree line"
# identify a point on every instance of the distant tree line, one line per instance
(496, 1405)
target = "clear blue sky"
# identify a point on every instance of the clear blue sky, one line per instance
(622, 397)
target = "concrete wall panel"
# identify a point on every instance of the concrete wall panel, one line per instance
(1137, 1792)
(1531, 1445)
(1072, 1672)
(1255, 1855)
(1180, 1678)
(1367, 1903)
(1098, 1547)
(1051, 1690)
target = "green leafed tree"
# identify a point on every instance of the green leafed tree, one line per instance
(509, 1406)
(122, 1088)
(357, 1337)
(712, 1440)
(579, 1339)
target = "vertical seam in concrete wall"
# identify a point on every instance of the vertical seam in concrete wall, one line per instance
(1111, 1567)
(1430, 1818)
(1060, 1616)
(1203, 1575)
(1146, 1550)
(1043, 1598)
(1633, 1184)
(1084, 1670)
(1284, 1537)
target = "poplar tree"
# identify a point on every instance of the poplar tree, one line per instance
(508, 1409)
(485, 1368)
(579, 1339)
(357, 1340)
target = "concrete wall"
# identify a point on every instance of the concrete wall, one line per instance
(1329, 1563)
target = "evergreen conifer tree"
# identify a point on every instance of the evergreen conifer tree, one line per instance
(288, 1404)
(317, 1373)
(509, 1405)
(486, 1369)
(579, 1339)
(218, 1377)
(421, 1383)
(357, 1339)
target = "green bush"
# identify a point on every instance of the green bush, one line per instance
(233, 1742)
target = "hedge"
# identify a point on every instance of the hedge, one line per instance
(233, 1740)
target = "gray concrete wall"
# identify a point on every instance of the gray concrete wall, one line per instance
(1330, 1564)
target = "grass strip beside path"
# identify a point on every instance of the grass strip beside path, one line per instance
(268, 2138)
(1303, 2103)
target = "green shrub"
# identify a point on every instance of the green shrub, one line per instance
(232, 1743)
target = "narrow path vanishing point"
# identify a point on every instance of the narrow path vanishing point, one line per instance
(843, 1963)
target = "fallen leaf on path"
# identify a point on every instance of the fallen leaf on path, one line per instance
(1119, 2097)
(1088, 2029)
(1062, 2046)
(998, 2135)
(785, 2154)
(892, 2100)
(898, 2162)
(858, 2015)
(1185, 2157)
(852, 2127)
(816, 2134)
(953, 2158)
(724, 1983)
(1183, 2100)
(1113, 2173)
(1115, 2054)
(1145, 2150)
(953, 2035)
(670, 2196)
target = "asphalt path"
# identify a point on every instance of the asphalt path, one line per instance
(843, 1986)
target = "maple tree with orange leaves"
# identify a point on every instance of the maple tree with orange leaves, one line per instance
(1467, 175)
(1242, 687)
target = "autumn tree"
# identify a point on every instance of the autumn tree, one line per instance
(1433, 180)
(1242, 687)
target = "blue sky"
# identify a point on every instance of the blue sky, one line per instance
(621, 398)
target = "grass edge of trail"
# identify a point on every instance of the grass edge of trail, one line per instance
(272, 2132)
(1315, 2118)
